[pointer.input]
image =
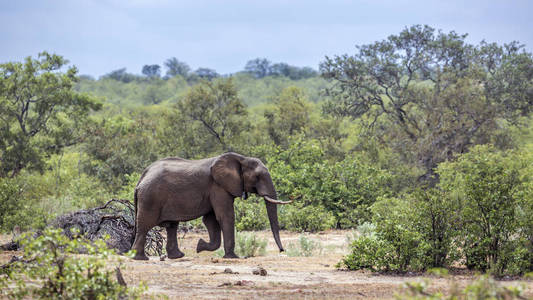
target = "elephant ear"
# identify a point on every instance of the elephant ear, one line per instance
(226, 170)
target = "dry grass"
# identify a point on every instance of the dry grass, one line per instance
(202, 276)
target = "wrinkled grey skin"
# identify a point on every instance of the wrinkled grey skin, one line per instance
(174, 190)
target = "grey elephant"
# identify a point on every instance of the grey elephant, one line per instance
(174, 190)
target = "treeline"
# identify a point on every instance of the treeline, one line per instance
(422, 139)
(259, 68)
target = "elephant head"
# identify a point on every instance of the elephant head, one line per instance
(240, 175)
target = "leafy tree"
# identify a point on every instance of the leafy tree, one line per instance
(176, 67)
(120, 145)
(217, 107)
(206, 73)
(40, 112)
(289, 116)
(432, 94)
(259, 67)
(152, 71)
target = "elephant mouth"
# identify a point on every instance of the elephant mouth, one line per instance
(275, 201)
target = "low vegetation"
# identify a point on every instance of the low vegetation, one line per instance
(51, 268)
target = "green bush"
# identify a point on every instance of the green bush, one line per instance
(308, 218)
(9, 193)
(305, 247)
(249, 245)
(493, 192)
(478, 215)
(52, 269)
(391, 248)
(250, 215)
(343, 190)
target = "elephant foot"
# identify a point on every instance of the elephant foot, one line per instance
(203, 246)
(173, 254)
(230, 255)
(140, 257)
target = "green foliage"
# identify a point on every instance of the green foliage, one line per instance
(305, 247)
(250, 214)
(343, 190)
(249, 245)
(309, 218)
(474, 216)
(52, 269)
(9, 204)
(289, 116)
(35, 198)
(216, 106)
(120, 145)
(40, 111)
(390, 248)
(429, 94)
(493, 188)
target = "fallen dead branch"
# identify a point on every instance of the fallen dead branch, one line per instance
(115, 219)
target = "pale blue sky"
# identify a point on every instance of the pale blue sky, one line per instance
(102, 35)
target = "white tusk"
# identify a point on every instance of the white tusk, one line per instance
(267, 198)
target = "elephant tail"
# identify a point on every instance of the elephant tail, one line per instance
(135, 216)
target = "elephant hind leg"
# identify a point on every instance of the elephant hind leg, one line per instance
(172, 241)
(140, 241)
(213, 227)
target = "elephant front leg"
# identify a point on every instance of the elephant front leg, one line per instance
(172, 241)
(227, 223)
(213, 228)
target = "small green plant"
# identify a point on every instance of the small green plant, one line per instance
(51, 268)
(304, 247)
(483, 287)
(249, 245)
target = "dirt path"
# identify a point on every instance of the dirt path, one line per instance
(202, 276)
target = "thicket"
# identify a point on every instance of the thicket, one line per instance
(479, 215)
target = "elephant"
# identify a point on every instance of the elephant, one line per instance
(173, 190)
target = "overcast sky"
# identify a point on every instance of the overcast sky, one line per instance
(103, 35)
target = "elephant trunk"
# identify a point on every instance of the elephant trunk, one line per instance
(272, 211)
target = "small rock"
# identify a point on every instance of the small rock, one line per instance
(162, 257)
(244, 282)
(259, 271)
(214, 260)
(228, 271)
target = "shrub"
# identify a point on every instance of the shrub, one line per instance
(493, 191)
(249, 245)
(51, 269)
(9, 193)
(305, 247)
(395, 249)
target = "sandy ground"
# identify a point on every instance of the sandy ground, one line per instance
(203, 276)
